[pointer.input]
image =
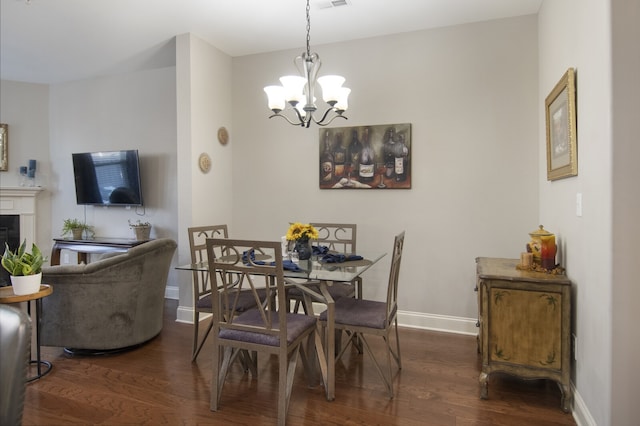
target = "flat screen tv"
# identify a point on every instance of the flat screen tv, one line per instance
(110, 178)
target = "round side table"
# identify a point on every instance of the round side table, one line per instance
(7, 296)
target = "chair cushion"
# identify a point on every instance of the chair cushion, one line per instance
(297, 324)
(246, 301)
(359, 312)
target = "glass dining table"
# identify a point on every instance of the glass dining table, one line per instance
(313, 272)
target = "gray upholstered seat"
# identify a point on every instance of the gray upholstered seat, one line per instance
(362, 313)
(296, 325)
(111, 304)
(15, 341)
(361, 317)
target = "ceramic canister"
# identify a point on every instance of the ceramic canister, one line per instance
(535, 245)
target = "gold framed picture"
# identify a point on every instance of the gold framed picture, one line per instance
(560, 112)
(4, 147)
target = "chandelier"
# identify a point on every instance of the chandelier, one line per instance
(298, 91)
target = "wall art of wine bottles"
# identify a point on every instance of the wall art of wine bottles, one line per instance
(365, 157)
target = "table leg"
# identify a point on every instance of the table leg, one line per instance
(330, 342)
(38, 361)
(55, 254)
(331, 352)
(325, 348)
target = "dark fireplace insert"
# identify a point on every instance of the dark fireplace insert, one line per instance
(9, 234)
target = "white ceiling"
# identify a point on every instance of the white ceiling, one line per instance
(52, 41)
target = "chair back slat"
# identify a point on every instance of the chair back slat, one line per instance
(249, 267)
(338, 237)
(394, 273)
(197, 244)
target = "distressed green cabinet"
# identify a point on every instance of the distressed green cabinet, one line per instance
(525, 324)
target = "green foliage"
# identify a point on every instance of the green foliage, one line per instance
(70, 224)
(21, 262)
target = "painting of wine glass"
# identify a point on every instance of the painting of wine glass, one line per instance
(365, 157)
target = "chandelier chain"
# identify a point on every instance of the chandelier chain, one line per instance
(308, 30)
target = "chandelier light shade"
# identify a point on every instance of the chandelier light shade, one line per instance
(298, 91)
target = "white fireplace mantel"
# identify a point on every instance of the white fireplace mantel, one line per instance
(21, 200)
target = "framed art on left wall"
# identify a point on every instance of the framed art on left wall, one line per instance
(4, 147)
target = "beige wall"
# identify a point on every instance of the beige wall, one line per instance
(625, 343)
(25, 108)
(203, 75)
(600, 246)
(470, 93)
(129, 111)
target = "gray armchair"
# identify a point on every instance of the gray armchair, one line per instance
(110, 304)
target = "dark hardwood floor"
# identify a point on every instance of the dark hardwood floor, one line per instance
(157, 384)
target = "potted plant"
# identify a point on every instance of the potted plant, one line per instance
(141, 229)
(24, 268)
(76, 228)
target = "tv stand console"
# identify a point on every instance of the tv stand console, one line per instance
(94, 245)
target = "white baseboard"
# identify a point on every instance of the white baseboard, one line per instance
(433, 322)
(185, 314)
(445, 323)
(581, 413)
(172, 292)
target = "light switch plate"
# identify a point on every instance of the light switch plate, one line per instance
(579, 204)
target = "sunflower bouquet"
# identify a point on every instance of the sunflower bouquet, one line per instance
(301, 231)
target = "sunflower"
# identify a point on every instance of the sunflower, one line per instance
(299, 231)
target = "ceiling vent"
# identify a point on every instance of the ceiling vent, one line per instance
(332, 3)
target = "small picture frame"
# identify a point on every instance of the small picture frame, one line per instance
(560, 112)
(4, 147)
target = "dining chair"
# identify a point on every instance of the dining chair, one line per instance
(202, 284)
(341, 238)
(265, 328)
(362, 317)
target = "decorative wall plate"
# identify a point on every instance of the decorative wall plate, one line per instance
(204, 162)
(223, 135)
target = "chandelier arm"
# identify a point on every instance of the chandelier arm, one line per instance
(329, 122)
(324, 116)
(286, 118)
(301, 120)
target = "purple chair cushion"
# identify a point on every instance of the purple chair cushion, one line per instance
(246, 300)
(359, 312)
(297, 324)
